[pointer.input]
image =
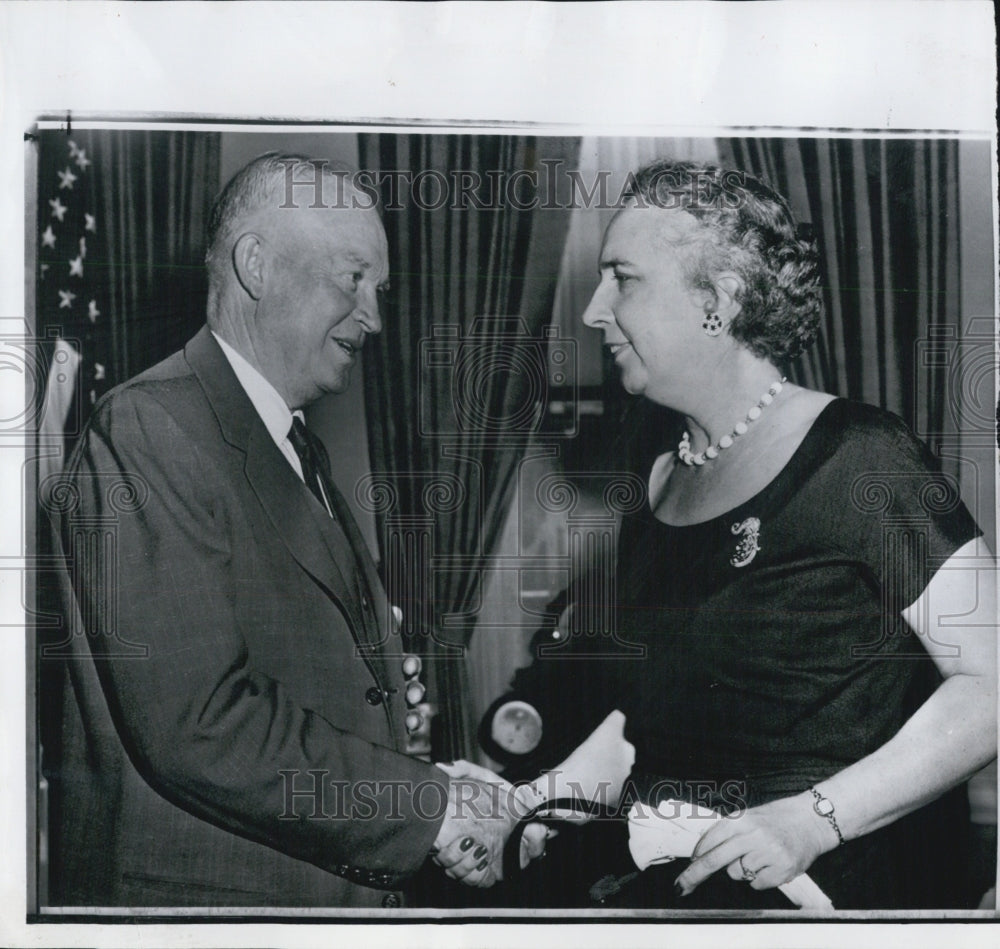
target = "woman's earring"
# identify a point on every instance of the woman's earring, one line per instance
(712, 324)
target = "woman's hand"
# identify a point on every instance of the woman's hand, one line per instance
(474, 856)
(766, 846)
(595, 771)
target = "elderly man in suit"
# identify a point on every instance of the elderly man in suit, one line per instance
(234, 735)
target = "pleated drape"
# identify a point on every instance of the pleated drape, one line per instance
(452, 382)
(886, 218)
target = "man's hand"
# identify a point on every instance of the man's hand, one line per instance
(482, 812)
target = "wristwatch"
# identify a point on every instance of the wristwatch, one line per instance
(824, 807)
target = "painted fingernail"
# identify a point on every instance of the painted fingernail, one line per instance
(466, 844)
(679, 889)
(434, 850)
(482, 864)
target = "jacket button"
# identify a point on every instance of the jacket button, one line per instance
(373, 696)
(415, 692)
(390, 901)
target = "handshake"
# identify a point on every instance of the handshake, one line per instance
(484, 809)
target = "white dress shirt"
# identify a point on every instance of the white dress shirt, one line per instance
(270, 406)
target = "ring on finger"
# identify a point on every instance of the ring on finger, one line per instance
(748, 874)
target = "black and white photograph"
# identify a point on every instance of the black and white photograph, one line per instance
(437, 520)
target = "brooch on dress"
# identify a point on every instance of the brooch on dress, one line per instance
(749, 543)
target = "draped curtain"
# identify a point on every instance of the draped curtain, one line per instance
(452, 382)
(886, 218)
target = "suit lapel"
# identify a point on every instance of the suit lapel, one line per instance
(378, 623)
(323, 549)
(296, 520)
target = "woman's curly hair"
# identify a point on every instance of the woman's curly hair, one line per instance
(747, 228)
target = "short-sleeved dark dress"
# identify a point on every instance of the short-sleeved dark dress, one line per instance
(776, 656)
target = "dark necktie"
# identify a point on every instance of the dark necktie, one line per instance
(316, 474)
(312, 457)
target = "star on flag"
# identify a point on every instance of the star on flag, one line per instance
(69, 239)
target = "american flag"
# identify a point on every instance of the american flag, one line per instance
(72, 287)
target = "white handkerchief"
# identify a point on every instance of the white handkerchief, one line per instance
(673, 829)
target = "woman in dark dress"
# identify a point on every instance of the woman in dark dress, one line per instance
(795, 579)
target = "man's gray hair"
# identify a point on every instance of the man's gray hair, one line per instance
(258, 184)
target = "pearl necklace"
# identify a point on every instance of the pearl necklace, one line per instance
(684, 447)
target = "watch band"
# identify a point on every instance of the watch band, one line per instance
(823, 806)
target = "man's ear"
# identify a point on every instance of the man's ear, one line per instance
(248, 262)
(728, 288)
